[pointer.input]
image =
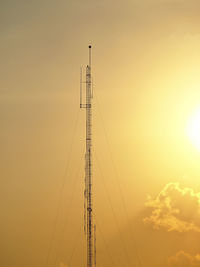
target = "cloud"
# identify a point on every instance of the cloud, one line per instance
(175, 209)
(182, 259)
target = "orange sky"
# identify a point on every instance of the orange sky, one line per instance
(146, 75)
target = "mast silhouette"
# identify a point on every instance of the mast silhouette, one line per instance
(89, 228)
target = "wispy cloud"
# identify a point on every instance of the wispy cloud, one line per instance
(183, 259)
(175, 209)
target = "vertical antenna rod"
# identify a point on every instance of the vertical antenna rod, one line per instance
(88, 166)
(88, 163)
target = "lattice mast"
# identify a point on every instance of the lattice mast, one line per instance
(89, 228)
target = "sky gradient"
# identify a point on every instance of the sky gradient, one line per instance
(146, 75)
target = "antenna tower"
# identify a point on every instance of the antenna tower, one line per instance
(89, 228)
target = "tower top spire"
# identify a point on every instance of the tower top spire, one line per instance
(90, 55)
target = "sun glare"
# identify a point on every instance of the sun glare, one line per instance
(193, 129)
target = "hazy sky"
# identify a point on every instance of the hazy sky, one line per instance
(146, 74)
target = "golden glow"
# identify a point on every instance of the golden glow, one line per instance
(193, 128)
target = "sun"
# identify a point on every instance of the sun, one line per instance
(193, 129)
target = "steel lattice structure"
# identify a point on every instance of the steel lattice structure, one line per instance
(89, 227)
